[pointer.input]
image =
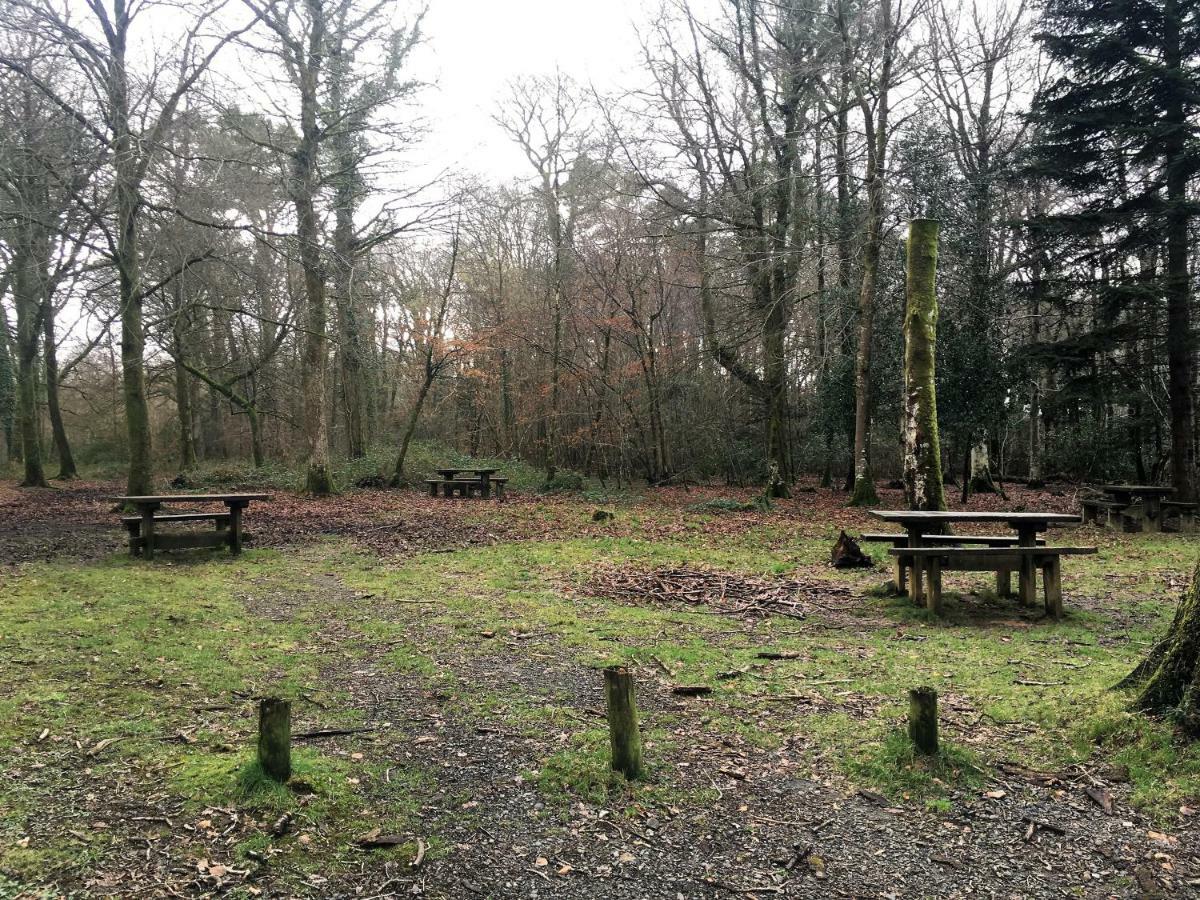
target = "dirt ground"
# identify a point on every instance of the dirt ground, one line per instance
(751, 794)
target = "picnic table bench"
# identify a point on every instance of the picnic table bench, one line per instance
(1136, 507)
(144, 537)
(926, 551)
(478, 481)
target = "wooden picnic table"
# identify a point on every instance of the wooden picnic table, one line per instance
(481, 480)
(1025, 524)
(143, 535)
(1150, 495)
(919, 523)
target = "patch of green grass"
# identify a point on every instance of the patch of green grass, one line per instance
(319, 783)
(893, 767)
(582, 772)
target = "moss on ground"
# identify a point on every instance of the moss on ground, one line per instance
(135, 655)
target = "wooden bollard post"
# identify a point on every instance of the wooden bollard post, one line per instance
(275, 738)
(623, 734)
(923, 720)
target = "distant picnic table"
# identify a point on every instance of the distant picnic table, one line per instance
(145, 538)
(1136, 507)
(924, 550)
(466, 481)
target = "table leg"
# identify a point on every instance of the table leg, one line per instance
(916, 570)
(901, 584)
(916, 581)
(933, 591)
(147, 512)
(235, 529)
(1027, 578)
(485, 487)
(1004, 583)
(1153, 519)
(1052, 584)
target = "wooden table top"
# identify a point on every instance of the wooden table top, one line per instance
(916, 516)
(192, 498)
(1137, 489)
(450, 473)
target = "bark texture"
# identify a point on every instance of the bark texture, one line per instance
(1168, 679)
(922, 447)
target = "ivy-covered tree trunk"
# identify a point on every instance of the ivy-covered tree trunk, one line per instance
(1168, 679)
(922, 447)
(58, 428)
(314, 361)
(26, 293)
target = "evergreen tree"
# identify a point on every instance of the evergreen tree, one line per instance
(1118, 130)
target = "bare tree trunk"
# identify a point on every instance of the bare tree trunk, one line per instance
(28, 289)
(129, 270)
(877, 142)
(410, 428)
(8, 381)
(62, 446)
(922, 446)
(355, 382)
(314, 361)
(1178, 282)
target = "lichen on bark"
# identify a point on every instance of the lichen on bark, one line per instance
(922, 447)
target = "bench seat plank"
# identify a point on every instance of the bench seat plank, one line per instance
(929, 562)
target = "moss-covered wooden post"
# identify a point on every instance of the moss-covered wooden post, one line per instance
(275, 738)
(922, 447)
(923, 720)
(623, 734)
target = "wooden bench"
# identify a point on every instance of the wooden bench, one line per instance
(145, 540)
(1003, 578)
(1092, 509)
(220, 536)
(928, 563)
(1185, 511)
(464, 487)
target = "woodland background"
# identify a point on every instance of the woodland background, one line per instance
(213, 249)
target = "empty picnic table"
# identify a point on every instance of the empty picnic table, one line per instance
(926, 551)
(1149, 496)
(481, 480)
(144, 536)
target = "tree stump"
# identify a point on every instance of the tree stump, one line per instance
(847, 554)
(624, 738)
(275, 738)
(923, 720)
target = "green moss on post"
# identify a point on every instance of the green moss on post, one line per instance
(624, 738)
(923, 720)
(922, 446)
(275, 738)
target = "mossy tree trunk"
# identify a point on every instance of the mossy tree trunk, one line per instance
(1168, 679)
(877, 128)
(922, 447)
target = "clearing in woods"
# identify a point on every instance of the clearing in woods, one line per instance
(443, 660)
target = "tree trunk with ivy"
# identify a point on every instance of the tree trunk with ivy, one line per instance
(1168, 679)
(922, 447)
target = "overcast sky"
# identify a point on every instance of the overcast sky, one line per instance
(475, 47)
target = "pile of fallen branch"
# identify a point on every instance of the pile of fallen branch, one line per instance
(723, 592)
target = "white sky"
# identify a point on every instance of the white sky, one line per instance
(475, 47)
